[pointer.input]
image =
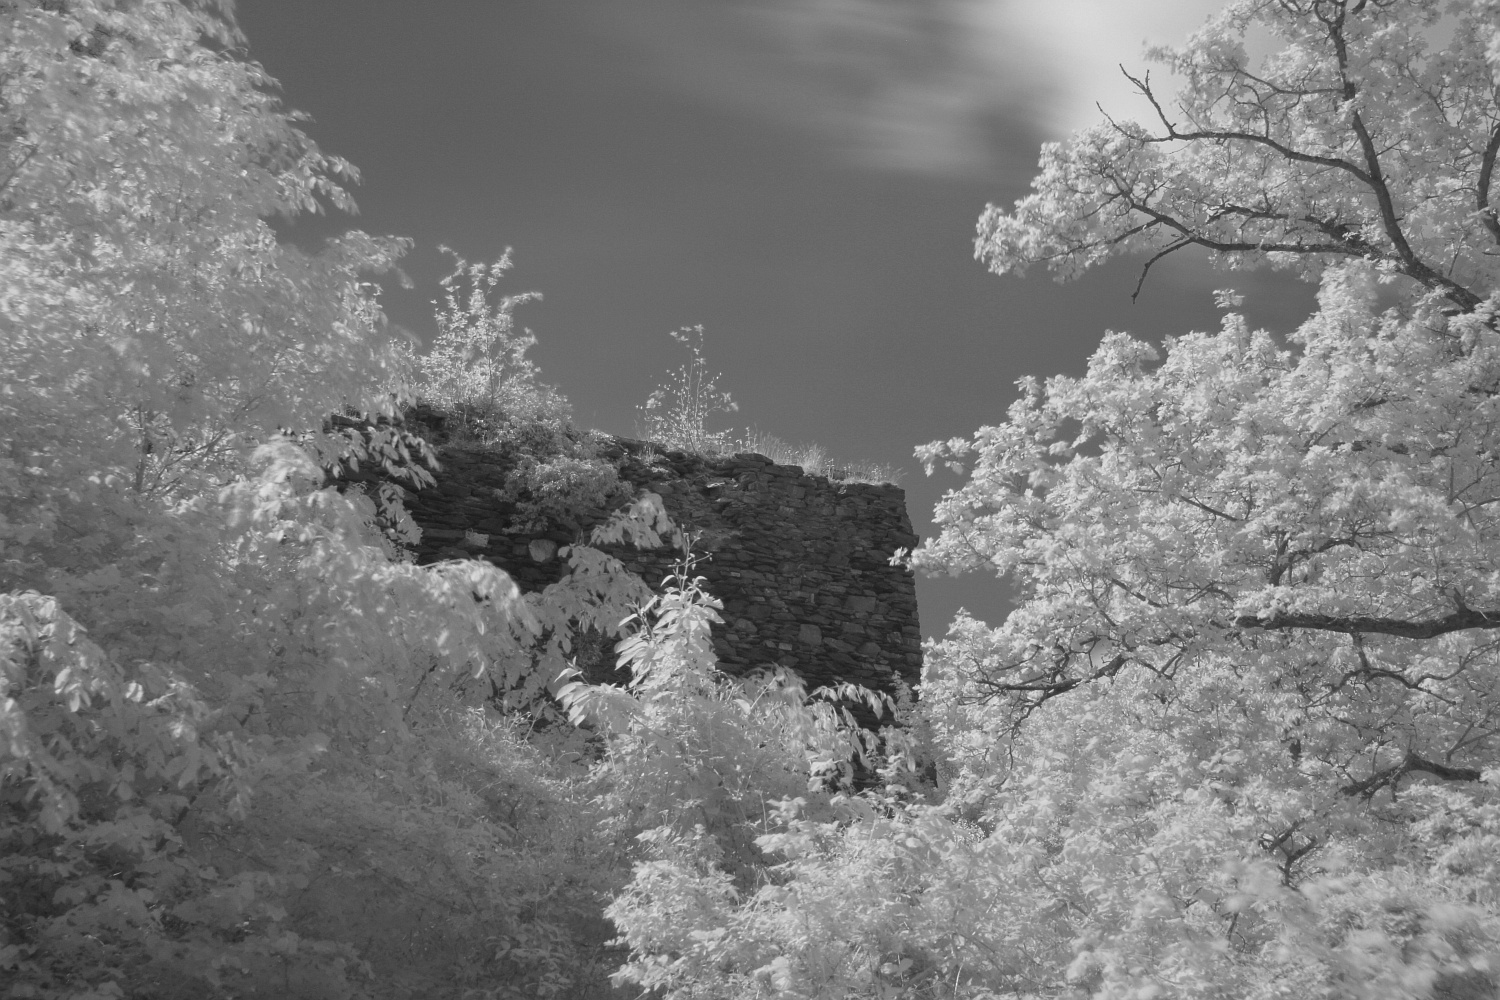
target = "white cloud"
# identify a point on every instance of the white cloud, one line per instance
(909, 84)
(1083, 43)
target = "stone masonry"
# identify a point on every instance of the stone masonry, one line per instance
(802, 564)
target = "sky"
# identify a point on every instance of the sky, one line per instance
(801, 177)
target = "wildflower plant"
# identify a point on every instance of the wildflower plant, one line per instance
(677, 413)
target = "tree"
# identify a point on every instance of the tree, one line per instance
(240, 746)
(1359, 140)
(1358, 155)
(1241, 734)
(153, 322)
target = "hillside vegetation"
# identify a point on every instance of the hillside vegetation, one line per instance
(249, 748)
(1237, 739)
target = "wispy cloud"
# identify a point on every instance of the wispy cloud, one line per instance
(919, 85)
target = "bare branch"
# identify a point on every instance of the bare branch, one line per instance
(1039, 688)
(1447, 773)
(1244, 246)
(1207, 509)
(1140, 283)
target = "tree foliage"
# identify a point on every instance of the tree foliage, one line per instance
(242, 751)
(1238, 736)
(703, 768)
(1358, 140)
(144, 293)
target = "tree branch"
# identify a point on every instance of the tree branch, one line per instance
(1039, 688)
(1207, 509)
(1371, 175)
(1486, 174)
(1240, 247)
(1216, 135)
(1411, 762)
(1464, 618)
(1141, 282)
(1415, 267)
(1432, 767)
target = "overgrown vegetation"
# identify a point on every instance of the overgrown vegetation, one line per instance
(1239, 737)
(815, 460)
(485, 391)
(678, 412)
(247, 747)
(476, 372)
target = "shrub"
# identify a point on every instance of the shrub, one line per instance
(476, 371)
(477, 376)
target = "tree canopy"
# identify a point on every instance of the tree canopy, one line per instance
(1369, 135)
(243, 750)
(152, 317)
(1238, 736)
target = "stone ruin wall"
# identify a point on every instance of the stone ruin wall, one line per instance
(802, 564)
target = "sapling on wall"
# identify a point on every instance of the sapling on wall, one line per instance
(477, 376)
(677, 413)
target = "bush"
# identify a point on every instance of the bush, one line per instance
(476, 371)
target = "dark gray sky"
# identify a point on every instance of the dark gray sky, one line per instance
(802, 177)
